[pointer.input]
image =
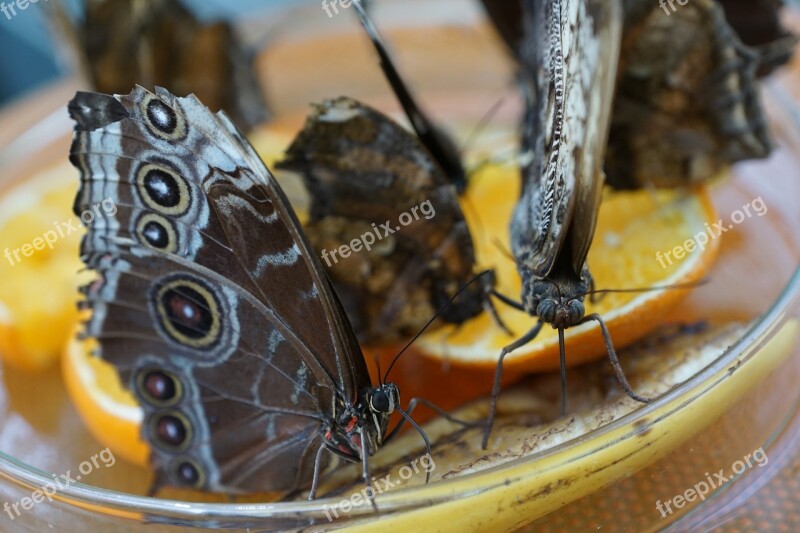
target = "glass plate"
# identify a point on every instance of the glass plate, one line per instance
(745, 400)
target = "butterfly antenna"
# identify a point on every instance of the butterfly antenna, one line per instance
(475, 215)
(378, 367)
(689, 285)
(432, 320)
(421, 434)
(499, 158)
(438, 143)
(484, 121)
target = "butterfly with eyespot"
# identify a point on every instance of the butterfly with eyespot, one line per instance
(119, 43)
(568, 58)
(686, 100)
(212, 305)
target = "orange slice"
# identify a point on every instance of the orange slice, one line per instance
(634, 247)
(38, 265)
(108, 409)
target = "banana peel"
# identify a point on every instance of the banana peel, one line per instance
(536, 461)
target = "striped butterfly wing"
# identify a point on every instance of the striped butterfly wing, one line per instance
(208, 300)
(568, 58)
(385, 220)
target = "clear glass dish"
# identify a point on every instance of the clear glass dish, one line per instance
(748, 398)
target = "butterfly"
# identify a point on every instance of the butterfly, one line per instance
(160, 42)
(386, 222)
(212, 305)
(686, 100)
(568, 58)
(364, 173)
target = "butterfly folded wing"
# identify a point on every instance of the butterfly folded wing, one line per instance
(192, 299)
(363, 171)
(568, 59)
(687, 101)
(161, 43)
(592, 76)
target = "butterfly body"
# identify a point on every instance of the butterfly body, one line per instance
(211, 304)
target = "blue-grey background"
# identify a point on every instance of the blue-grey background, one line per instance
(28, 55)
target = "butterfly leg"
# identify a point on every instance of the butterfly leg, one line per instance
(317, 465)
(159, 480)
(433, 407)
(508, 301)
(369, 491)
(407, 416)
(612, 356)
(498, 377)
(487, 283)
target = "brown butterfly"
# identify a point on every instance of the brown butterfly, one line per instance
(213, 306)
(568, 57)
(120, 43)
(686, 102)
(364, 174)
(385, 219)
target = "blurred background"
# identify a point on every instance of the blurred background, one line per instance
(29, 55)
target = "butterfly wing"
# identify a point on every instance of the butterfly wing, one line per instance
(568, 58)
(379, 197)
(160, 42)
(687, 102)
(208, 299)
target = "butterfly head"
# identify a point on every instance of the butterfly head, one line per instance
(558, 302)
(361, 428)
